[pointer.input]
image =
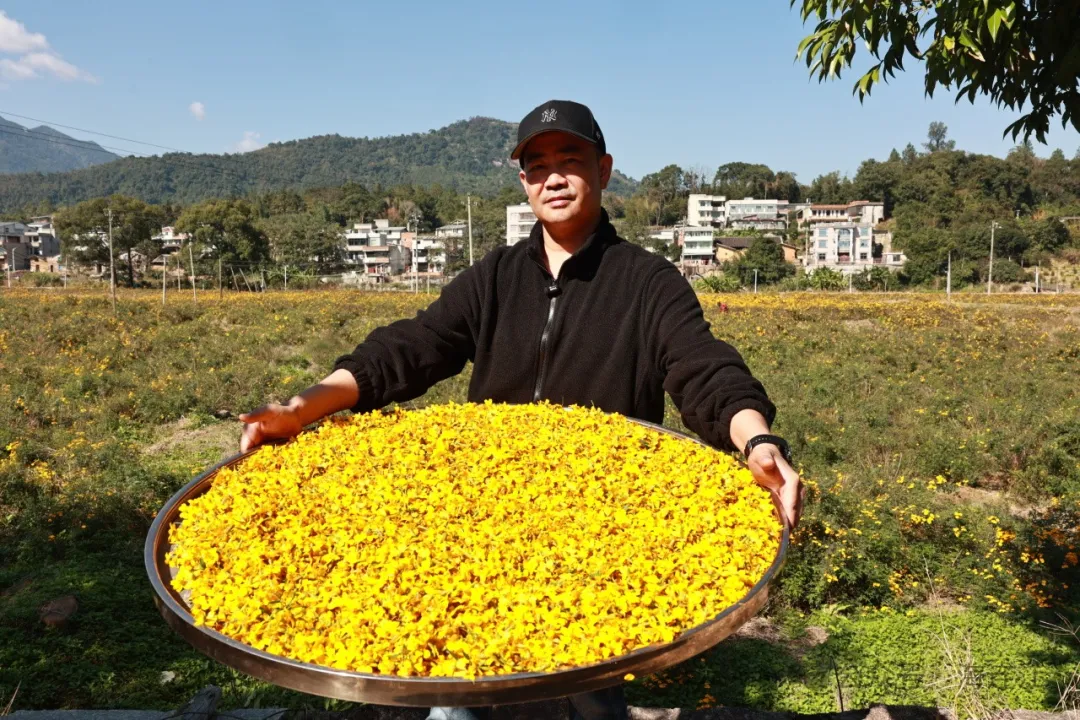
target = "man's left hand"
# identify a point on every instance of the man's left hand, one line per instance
(773, 472)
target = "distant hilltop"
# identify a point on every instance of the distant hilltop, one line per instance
(468, 156)
(43, 149)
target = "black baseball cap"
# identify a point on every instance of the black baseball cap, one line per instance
(562, 116)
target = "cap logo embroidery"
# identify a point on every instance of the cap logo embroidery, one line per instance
(548, 115)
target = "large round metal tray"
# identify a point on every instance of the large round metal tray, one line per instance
(431, 691)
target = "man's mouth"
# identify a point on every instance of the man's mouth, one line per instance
(559, 202)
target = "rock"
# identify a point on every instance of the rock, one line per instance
(167, 677)
(56, 613)
(816, 635)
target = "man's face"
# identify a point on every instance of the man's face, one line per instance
(563, 176)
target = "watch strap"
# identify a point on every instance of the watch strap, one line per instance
(764, 439)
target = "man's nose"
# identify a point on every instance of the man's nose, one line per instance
(555, 180)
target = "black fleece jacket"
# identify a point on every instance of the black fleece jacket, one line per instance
(614, 331)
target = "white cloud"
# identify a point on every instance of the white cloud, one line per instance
(34, 58)
(15, 39)
(198, 110)
(250, 141)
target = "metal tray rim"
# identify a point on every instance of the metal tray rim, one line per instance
(612, 670)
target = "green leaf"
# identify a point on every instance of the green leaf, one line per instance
(993, 23)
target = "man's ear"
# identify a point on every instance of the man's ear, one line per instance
(605, 171)
(524, 185)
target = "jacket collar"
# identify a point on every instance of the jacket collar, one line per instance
(583, 262)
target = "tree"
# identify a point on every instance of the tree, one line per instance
(936, 138)
(1021, 55)
(489, 226)
(877, 278)
(84, 231)
(740, 179)
(878, 181)
(786, 187)
(831, 188)
(225, 230)
(764, 255)
(827, 279)
(305, 238)
(720, 283)
(664, 189)
(1050, 235)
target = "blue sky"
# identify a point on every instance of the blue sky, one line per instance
(694, 83)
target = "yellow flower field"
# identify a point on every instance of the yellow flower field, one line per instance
(940, 442)
(470, 540)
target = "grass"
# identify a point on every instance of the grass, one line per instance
(904, 411)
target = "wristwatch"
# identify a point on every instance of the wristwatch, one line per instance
(776, 440)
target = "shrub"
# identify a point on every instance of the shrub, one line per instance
(42, 279)
(828, 279)
(718, 283)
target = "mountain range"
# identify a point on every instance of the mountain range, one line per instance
(43, 149)
(470, 156)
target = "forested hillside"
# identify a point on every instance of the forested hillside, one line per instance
(43, 149)
(468, 156)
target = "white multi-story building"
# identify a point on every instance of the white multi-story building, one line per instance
(429, 254)
(369, 245)
(697, 246)
(706, 210)
(851, 248)
(519, 223)
(754, 214)
(456, 229)
(866, 212)
(170, 239)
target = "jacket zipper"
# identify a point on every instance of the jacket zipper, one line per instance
(553, 292)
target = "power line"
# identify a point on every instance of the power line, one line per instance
(82, 146)
(92, 132)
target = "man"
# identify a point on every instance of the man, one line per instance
(575, 315)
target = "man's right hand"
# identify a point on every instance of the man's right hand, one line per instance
(270, 422)
(337, 391)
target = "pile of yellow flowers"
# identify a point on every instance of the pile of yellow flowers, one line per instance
(472, 540)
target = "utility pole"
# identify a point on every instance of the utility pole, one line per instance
(220, 292)
(468, 201)
(809, 225)
(948, 279)
(990, 270)
(191, 260)
(755, 280)
(112, 267)
(286, 277)
(850, 280)
(164, 273)
(1037, 278)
